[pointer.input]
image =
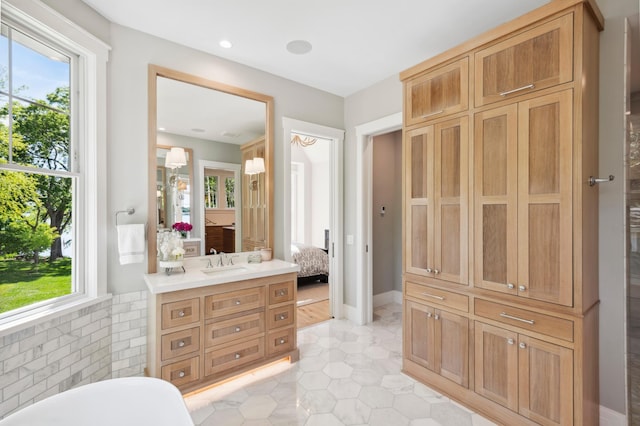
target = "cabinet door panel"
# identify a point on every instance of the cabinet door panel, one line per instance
(546, 382)
(451, 140)
(420, 335)
(452, 358)
(496, 364)
(444, 91)
(539, 58)
(496, 213)
(418, 149)
(545, 232)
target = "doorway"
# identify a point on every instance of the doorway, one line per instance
(313, 216)
(363, 314)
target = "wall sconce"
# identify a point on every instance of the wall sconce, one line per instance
(175, 158)
(254, 167)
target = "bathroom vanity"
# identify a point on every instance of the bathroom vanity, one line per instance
(212, 323)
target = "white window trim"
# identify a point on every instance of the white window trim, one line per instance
(91, 128)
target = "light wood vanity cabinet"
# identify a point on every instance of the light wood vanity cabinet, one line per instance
(513, 205)
(203, 335)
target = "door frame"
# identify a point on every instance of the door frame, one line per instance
(364, 194)
(336, 136)
(207, 164)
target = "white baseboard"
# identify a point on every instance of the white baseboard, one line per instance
(393, 296)
(608, 417)
(351, 313)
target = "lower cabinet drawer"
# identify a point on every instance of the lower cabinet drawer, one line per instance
(180, 343)
(529, 320)
(180, 313)
(280, 317)
(182, 372)
(219, 332)
(280, 341)
(437, 296)
(234, 301)
(231, 357)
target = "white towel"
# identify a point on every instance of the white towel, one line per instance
(131, 243)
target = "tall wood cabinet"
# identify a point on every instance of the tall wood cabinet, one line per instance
(500, 222)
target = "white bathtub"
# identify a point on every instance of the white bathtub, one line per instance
(131, 401)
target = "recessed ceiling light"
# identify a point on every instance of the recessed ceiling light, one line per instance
(299, 47)
(196, 130)
(226, 44)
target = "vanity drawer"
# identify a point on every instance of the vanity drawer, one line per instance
(225, 331)
(235, 301)
(280, 341)
(182, 372)
(522, 318)
(231, 357)
(180, 343)
(280, 292)
(180, 313)
(437, 296)
(280, 317)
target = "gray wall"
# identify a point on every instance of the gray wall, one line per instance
(387, 192)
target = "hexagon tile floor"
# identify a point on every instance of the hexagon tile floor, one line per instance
(347, 375)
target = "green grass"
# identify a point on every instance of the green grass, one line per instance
(22, 285)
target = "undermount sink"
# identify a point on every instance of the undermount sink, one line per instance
(221, 269)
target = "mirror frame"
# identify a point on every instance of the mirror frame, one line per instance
(156, 71)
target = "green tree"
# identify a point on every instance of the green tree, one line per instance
(44, 129)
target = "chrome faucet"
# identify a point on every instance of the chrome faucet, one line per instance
(209, 264)
(221, 257)
(231, 259)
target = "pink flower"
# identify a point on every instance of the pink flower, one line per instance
(182, 226)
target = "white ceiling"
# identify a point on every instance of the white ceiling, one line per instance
(356, 43)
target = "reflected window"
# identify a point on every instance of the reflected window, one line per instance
(219, 189)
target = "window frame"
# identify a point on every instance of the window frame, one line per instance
(87, 155)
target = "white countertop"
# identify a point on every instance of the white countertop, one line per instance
(198, 275)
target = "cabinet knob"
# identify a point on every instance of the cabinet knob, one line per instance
(181, 313)
(522, 288)
(428, 314)
(237, 356)
(237, 302)
(437, 317)
(237, 329)
(522, 345)
(181, 374)
(282, 341)
(181, 344)
(282, 316)
(510, 286)
(428, 270)
(436, 271)
(282, 293)
(510, 341)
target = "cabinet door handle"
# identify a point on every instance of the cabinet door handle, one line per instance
(510, 341)
(282, 341)
(522, 288)
(433, 296)
(429, 314)
(432, 113)
(437, 317)
(510, 286)
(181, 344)
(509, 92)
(428, 270)
(436, 271)
(505, 315)
(237, 329)
(181, 313)
(282, 316)
(237, 356)
(237, 302)
(522, 345)
(181, 374)
(282, 293)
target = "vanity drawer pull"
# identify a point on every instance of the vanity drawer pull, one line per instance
(238, 329)
(237, 356)
(181, 313)
(237, 302)
(282, 292)
(181, 374)
(282, 341)
(282, 317)
(181, 344)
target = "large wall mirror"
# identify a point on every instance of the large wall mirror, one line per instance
(213, 129)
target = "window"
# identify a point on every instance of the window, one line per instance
(48, 161)
(219, 190)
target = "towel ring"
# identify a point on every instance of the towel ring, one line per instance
(127, 211)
